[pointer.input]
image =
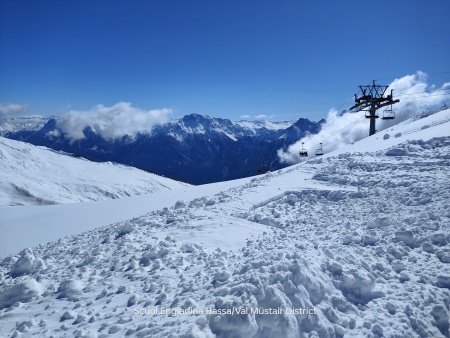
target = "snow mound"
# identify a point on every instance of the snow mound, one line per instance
(70, 289)
(27, 264)
(23, 291)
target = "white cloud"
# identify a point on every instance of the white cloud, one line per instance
(12, 109)
(112, 122)
(414, 94)
(257, 117)
(53, 133)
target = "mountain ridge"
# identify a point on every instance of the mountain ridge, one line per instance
(196, 149)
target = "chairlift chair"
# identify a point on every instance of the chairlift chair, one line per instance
(303, 152)
(319, 151)
(369, 116)
(388, 114)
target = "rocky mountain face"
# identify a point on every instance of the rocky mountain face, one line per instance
(195, 149)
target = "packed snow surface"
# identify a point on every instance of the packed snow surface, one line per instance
(28, 226)
(33, 175)
(354, 244)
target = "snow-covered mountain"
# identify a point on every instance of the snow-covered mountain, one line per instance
(354, 244)
(196, 149)
(38, 175)
(22, 123)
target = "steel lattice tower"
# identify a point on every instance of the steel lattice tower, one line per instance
(371, 100)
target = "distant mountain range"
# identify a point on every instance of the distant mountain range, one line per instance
(195, 149)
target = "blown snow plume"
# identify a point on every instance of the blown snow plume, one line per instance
(112, 122)
(415, 95)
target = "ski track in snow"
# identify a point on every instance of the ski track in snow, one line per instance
(362, 238)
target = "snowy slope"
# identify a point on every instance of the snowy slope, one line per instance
(353, 244)
(257, 125)
(38, 175)
(40, 224)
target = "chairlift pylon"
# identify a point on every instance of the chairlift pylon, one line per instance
(303, 152)
(319, 151)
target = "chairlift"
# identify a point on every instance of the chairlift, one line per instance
(370, 116)
(388, 114)
(303, 152)
(319, 151)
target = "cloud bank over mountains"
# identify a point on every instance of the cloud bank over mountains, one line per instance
(112, 122)
(415, 95)
(122, 118)
(8, 110)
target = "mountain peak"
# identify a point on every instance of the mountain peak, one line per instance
(195, 117)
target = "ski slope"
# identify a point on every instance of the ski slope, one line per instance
(354, 243)
(33, 225)
(33, 175)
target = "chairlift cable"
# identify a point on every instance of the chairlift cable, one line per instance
(348, 125)
(428, 92)
(411, 97)
(328, 123)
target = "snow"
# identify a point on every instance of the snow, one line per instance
(20, 123)
(51, 177)
(23, 291)
(411, 129)
(259, 124)
(354, 243)
(39, 224)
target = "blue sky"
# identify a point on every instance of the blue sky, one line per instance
(283, 59)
